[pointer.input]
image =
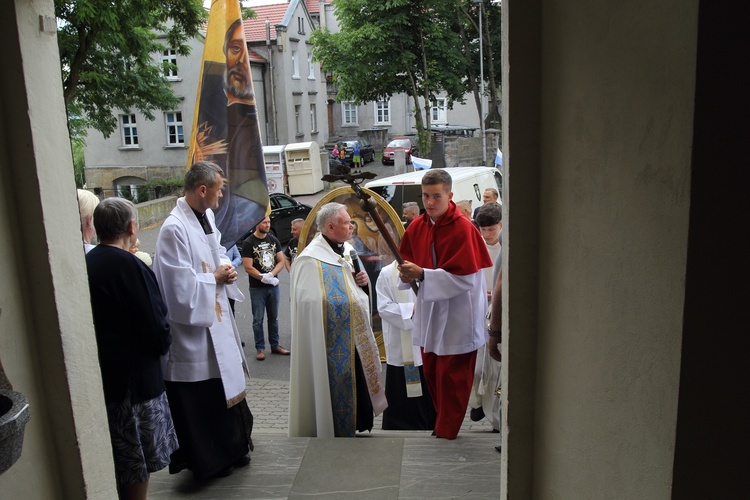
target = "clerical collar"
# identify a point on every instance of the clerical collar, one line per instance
(203, 221)
(337, 247)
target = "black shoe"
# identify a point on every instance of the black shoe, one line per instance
(225, 472)
(176, 468)
(499, 448)
(242, 462)
(476, 414)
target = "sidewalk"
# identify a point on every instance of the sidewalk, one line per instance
(269, 402)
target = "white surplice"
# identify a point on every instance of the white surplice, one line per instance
(450, 311)
(396, 316)
(205, 340)
(310, 410)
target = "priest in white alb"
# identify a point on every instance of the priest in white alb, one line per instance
(205, 368)
(336, 376)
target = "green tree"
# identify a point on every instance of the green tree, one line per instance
(394, 46)
(248, 13)
(79, 163)
(108, 49)
(467, 16)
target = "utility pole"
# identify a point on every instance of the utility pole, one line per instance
(481, 82)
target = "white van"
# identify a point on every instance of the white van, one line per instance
(469, 183)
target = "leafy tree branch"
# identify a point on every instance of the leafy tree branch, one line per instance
(108, 50)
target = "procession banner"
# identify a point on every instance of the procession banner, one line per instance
(225, 124)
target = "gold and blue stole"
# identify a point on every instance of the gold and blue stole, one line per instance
(340, 348)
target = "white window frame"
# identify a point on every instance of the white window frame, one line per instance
(310, 67)
(129, 131)
(349, 114)
(297, 120)
(313, 117)
(169, 56)
(383, 112)
(175, 129)
(438, 112)
(301, 25)
(295, 63)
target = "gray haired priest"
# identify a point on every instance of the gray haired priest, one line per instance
(336, 376)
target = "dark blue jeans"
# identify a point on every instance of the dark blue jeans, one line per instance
(265, 300)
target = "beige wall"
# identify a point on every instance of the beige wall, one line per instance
(46, 335)
(105, 177)
(151, 212)
(606, 203)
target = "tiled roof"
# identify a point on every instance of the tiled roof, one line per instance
(255, 57)
(255, 29)
(313, 7)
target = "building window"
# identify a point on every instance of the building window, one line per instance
(295, 64)
(175, 136)
(297, 122)
(310, 67)
(129, 131)
(301, 25)
(128, 191)
(383, 112)
(349, 112)
(169, 64)
(438, 110)
(313, 118)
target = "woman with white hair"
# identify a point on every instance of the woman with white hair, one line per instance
(87, 202)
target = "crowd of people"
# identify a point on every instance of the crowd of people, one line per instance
(175, 372)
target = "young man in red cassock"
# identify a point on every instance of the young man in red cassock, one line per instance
(445, 254)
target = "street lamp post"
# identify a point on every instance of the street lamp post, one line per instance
(481, 83)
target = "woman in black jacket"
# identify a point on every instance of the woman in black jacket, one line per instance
(132, 334)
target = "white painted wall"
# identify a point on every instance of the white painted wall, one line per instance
(600, 183)
(47, 338)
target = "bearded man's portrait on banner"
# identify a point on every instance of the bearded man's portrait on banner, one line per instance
(225, 128)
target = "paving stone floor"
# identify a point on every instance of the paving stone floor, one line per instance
(378, 465)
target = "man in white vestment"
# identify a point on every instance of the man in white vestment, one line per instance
(484, 401)
(205, 367)
(336, 376)
(410, 405)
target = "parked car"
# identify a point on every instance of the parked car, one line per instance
(406, 143)
(284, 209)
(366, 150)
